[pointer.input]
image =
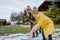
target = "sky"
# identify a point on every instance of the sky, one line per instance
(8, 6)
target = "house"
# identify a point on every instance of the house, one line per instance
(3, 21)
(45, 5)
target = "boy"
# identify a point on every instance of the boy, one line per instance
(43, 22)
(31, 19)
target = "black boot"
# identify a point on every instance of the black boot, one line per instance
(36, 33)
(43, 34)
(33, 36)
(49, 37)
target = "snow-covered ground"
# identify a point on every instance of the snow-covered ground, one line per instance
(20, 36)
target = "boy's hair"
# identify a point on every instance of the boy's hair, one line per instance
(35, 11)
(28, 8)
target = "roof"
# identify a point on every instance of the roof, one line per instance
(53, 0)
(2, 19)
(45, 5)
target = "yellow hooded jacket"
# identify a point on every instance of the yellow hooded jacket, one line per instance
(45, 23)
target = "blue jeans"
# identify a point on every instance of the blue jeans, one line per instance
(49, 36)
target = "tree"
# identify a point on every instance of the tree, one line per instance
(19, 17)
(25, 12)
(25, 18)
(53, 11)
(13, 16)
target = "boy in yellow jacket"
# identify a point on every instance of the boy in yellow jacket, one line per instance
(43, 22)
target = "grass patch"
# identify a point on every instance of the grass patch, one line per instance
(57, 25)
(6, 30)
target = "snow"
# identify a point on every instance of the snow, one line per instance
(20, 36)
